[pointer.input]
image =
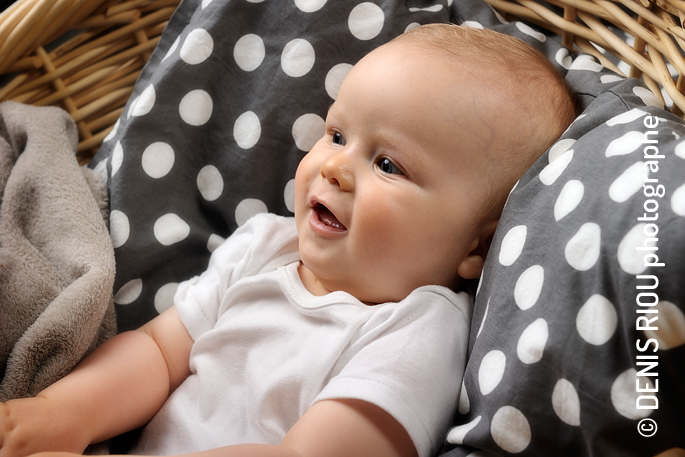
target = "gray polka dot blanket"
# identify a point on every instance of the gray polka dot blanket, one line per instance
(577, 340)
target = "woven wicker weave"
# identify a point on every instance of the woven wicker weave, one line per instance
(654, 28)
(92, 74)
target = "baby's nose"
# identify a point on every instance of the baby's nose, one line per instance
(337, 169)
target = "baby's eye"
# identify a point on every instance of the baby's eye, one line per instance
(339, 139)
(387, 166)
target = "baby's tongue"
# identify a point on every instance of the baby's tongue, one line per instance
(329, 219)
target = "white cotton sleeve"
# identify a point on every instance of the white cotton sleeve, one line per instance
(420, 387)
(249, 250)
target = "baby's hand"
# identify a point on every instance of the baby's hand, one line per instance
(32, 425)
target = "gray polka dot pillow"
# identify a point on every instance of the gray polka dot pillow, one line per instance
(578, 335)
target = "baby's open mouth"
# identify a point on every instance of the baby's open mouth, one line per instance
(328, 218)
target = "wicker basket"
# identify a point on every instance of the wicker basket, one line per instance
(654, 28)
(92, 74)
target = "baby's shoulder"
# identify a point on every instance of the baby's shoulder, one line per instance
(261, 239)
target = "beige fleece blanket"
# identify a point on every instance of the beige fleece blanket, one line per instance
(56, 256)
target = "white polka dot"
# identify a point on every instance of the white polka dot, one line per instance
(205, 3)
(366, 21)
(170, 229)
(572, 123)
(678, 201)
(563, 58)
(129, 292)
(172, 49)
(210, 183)
(512, 245)
(624, 397)
(647, 97)
(606, 79)
(626, 118)
(247, 130)
(582, 250)
(164, 298)
(499, 16)
(289, 195)
(586, 62)
(532, 342)
(464, 404)
(158, 159)
(680, 149)
(491, 371)
(671, 328)
(456, 434)
(144, 102)
(625, 144)
(596, 320)
(628, 183)
(214, 242)
(623, 67)
(566, 403)
(197, 47)
(559, 148)
(510, 192)
(307, 130)
(101, 169)
(117, 157)
(510, 429)
(249, 52)
(429, 9)
(248, 208)
(472, 24)
(196, 107)
(112, 133)
(528, 30)
(482, 322)
(629, 258)
(309, 6)
(335, 77)
(569, 199)
(297, 58)
(528, 287)
(412, 26)
(551, 172)
(119, 228)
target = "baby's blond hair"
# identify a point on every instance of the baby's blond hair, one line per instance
(517, 67)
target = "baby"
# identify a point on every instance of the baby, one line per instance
(338, 332)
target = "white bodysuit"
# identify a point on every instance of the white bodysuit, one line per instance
(266, 349)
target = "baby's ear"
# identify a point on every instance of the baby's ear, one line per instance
(472, 265)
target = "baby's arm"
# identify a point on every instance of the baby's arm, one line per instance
(119, 387)
(331, 428)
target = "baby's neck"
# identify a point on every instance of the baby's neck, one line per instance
(310, 282)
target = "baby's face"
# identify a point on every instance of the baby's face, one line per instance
(392, 197)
